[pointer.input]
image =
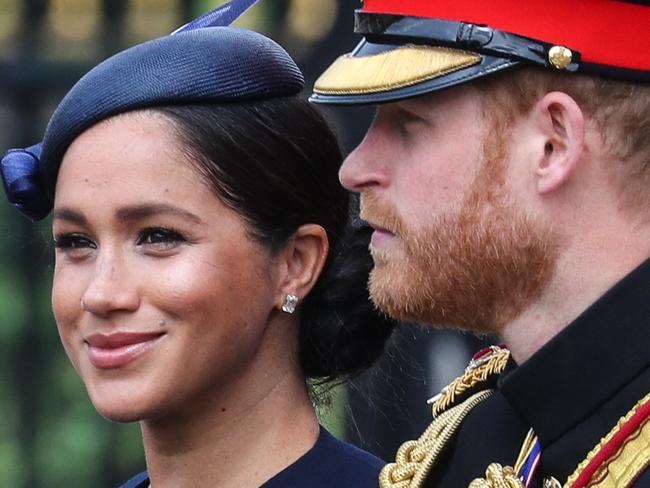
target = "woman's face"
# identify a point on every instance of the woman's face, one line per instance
(161, 298)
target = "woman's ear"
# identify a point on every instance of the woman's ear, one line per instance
(304, 257)
(562, 124)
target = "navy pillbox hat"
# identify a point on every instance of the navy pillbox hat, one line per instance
(196, 64)
(205, 65)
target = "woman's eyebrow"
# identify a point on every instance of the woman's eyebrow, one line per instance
(145, 210)
(69, 215)
(128, 213)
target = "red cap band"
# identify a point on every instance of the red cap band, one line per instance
(607, 32)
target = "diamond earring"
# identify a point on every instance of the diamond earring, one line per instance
(290, 302)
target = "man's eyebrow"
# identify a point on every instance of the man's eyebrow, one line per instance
(142, 211)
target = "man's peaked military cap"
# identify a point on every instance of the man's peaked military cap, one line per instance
(412, 47)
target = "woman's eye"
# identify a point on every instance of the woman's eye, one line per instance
(160, 238)
(73, 242)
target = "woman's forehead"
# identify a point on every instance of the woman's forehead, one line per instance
(128, 153)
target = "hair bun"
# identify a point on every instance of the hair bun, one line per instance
(342, 333)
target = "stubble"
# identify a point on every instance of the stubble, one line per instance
(476, 268)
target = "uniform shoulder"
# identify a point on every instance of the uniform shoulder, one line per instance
(622, 457)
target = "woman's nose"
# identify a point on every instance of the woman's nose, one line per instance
(110, 290)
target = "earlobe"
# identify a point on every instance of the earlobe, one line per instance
(562, 122)
(305, 256)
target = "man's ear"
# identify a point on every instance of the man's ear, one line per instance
(303, 258)
(562, 124)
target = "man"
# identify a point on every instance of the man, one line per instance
(507, 177)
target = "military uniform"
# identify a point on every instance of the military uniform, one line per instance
(576, 413)
(572, 392)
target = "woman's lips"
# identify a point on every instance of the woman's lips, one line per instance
(107, 351)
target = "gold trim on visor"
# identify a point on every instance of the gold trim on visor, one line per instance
(398, 68)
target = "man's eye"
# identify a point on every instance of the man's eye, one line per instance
(409, 123)
(160, 237)
(73, 242)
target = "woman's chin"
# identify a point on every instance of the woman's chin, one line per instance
(120, 413)
(121, 408)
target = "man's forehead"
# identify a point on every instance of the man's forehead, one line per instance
(437, 101)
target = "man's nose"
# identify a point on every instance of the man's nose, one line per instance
(368, 164)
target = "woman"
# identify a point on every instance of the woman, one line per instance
(200, 273)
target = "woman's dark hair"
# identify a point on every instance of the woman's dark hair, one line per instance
(275, 162)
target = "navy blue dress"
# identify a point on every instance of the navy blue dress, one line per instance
(330, 463)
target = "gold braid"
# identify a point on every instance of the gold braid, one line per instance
(415, 459)
(478, 371)
(497, 476)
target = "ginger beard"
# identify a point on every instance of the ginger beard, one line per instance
(476, 268)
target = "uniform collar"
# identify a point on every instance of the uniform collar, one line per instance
(605, 348)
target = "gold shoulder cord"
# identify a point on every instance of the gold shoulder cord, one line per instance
(415, 459)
